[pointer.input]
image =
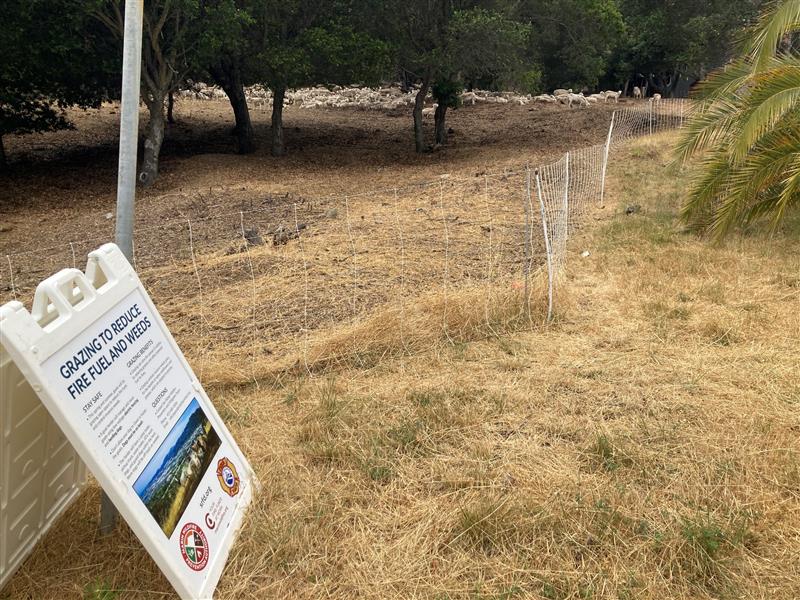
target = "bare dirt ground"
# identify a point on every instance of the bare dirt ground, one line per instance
(644, 446)
(64, 183)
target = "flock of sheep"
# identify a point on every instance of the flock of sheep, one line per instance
(568, 97)
(393, 97)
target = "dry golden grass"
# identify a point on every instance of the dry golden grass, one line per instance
(389, 259)
(643, 446)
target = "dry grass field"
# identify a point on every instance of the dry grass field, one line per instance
(644, 445)
(380, 224)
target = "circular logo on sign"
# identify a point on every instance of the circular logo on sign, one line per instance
(194, 547)
(228, 477)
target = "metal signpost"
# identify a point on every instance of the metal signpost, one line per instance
(129, 125)
(126, 173)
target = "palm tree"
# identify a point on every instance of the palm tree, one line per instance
(745, 129)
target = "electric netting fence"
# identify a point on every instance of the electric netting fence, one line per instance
(256, 282)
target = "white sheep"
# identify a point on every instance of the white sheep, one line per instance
(561, 92)
(578, 99)
(427, 112)
(613, 95)
(261, 103)
(656, 98)
(469, 97)
(637, 92)
(381, 98)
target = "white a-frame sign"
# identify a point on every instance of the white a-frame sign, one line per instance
(106, 368)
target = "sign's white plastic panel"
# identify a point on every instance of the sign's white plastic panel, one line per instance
(40, 472)
(69, 310)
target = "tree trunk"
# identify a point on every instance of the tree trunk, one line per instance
(405, 86)
(170, 108)
(652, 83)
(278, 146)
(683, 88)
(154, 136)
(663, 84)
(3, 159)
(229, 78)
(440, 124)
(419, 103)
(245, 137)
(669, 89)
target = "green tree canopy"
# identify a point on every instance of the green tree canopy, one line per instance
(309, 43)
(668, 46)
(483, 47)
(226, 52)
(572, 40)
(54, 55)
(172, 33)
(444, 44)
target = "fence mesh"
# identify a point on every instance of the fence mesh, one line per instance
(255, 282)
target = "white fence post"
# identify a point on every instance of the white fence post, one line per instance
(565, 210)
(547, 248)
(605, 159)
(526, 269)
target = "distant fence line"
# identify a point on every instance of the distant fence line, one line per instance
(297, 266)
(567, 189)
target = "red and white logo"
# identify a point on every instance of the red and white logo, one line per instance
(194, 547)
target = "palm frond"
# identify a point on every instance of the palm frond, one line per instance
(705, 188)
(746, 131)
(754, 185)
(790, 194)
(724, 81)
(709, 125)
(774, 96)
(759, 172)
(778, 20)
(761, 206)
(744, 187)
